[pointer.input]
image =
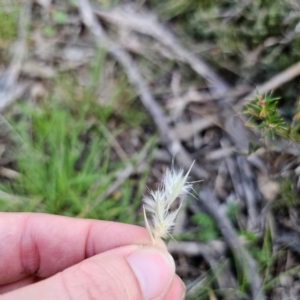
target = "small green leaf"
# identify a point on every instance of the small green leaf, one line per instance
(249, 236)
(48, 31)
(60, 17)
(73, 2)
(207, 227)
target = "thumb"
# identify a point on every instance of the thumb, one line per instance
(125, 273)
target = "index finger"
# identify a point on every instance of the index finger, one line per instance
(42, 245)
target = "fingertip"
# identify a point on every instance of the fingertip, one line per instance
(154, 269)
(177, 289)
(160, 244)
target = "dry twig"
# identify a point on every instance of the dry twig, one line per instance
(209, 202)
(224, 277)
(148, 25)
(272, 84)
(168, 137)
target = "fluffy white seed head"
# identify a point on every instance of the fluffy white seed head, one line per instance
(159, 203)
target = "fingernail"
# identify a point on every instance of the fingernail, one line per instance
(154, 269)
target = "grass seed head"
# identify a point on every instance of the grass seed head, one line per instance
(159, 203)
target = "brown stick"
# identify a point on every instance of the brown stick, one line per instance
(209, 202)
(168, 137)
(272, 84)
(224, 276)
(148, 25)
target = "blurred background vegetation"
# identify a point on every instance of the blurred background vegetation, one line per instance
(76, 139)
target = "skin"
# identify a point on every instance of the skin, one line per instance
(52, 257)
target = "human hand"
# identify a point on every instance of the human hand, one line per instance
(52, 257)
